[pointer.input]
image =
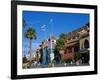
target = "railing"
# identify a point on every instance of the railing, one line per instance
(72, 40)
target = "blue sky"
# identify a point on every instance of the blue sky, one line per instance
(46, 23)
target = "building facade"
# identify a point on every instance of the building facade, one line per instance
(77, 43)
(46, 50)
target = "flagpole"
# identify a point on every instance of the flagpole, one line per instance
(44, 30)
(52, 55)
(50, 34)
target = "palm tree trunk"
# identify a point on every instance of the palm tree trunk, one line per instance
(30, 50)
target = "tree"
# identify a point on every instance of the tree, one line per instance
(63, 36)
(61, 41)
(77, 56)
(84, 55)
(24, 23)
(57, 55)
(24, 59)
(61, 45)
(31, 35)
(23, 26)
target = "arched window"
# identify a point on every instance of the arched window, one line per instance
(86, 44)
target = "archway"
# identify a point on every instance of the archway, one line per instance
(86, 44)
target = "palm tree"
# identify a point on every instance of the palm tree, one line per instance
(23, 26)
(24, 23)
(31, 35)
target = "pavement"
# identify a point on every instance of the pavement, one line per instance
(55, 65)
